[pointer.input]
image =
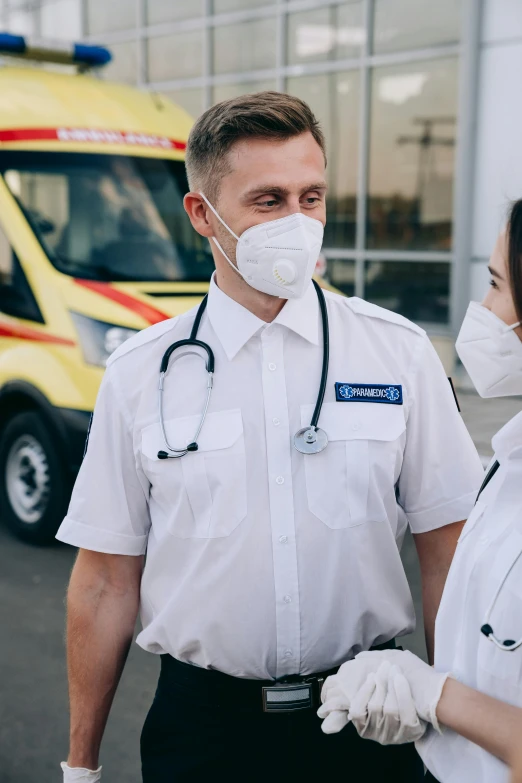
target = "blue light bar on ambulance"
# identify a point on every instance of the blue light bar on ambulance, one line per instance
(83, 55)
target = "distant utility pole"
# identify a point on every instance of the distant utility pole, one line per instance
(426, 141)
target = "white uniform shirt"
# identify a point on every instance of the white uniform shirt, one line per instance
(261, 561)
(490, 544)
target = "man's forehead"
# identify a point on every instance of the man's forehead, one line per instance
(265, 165)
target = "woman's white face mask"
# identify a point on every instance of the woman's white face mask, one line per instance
(491, 353)
(277, 257)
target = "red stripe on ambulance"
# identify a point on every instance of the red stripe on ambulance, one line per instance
(91, 136)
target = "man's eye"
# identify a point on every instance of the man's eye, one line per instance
(270, 203)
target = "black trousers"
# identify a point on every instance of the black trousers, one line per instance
(190, 735)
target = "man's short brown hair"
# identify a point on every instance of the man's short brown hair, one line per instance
(263, 115)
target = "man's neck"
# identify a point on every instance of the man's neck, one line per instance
(262, 305)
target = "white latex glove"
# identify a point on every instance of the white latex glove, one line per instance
(80, 774)
(383, 709)
(340, 690)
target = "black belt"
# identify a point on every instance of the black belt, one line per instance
(291, 693)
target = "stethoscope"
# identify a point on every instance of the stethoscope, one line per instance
(487, 629)
(308, 440)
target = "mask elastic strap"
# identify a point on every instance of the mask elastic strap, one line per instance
(209, 205)
(214, 240)
(234, 267)
(513, 326)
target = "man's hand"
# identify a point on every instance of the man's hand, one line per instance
(80, 774)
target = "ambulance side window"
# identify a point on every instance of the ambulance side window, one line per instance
(16, 296)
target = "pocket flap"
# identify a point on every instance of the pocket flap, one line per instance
(357, 420)
(220, 431)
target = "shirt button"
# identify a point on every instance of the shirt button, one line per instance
(276, 422)
(287, 599)
(272, 366)
(288, 653)
(280, 480)
(283, 539)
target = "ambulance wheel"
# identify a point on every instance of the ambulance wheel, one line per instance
(34, 481)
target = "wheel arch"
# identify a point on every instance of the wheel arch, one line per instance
(19, 397)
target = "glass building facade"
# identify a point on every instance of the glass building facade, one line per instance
(383, 77)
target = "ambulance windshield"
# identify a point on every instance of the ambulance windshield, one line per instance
(109, 217)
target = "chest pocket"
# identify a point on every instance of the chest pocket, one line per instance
(500, 671)
(348, 482)
(203, 494)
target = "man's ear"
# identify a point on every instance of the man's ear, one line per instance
(197, 211)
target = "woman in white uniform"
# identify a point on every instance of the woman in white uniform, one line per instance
(479, 625)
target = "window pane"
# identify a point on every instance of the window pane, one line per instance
(223, 6)
(327, 33)
(412, 145)
(21, 22)
(334, 99)
(103, 16)
(419, 291)
(124, 64)
(397, 23)
(247, 46)
(62, 19)
(109, 217)
(173, 11)
(178, 56)
(223, 92)
(341, 274)
(190, 100)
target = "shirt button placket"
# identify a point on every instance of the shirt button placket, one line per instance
(278, 445)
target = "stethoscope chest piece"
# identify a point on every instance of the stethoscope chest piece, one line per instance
(310, 440)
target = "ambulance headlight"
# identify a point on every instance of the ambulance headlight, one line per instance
(99, 339)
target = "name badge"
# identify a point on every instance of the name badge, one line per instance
(390, 394)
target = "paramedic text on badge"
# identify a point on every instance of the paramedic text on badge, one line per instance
(391, 394)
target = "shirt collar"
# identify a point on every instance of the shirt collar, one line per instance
(507, 442)
(234, 325)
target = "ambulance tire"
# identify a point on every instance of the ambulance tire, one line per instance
(35, 484)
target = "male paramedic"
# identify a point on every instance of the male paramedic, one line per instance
(261, 545)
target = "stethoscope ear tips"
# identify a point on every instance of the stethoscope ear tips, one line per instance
(162, 455)
(486, 629)
(192, 447)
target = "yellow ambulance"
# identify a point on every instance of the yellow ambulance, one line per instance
(94, 246)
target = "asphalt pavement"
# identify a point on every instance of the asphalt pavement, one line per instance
(33, 690)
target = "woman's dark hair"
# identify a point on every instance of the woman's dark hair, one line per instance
(514, 250)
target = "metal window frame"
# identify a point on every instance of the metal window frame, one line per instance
(467, 50)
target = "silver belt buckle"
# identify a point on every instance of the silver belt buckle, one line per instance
(287, 697)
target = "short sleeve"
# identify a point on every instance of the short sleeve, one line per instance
(109, 511)
(441, 471)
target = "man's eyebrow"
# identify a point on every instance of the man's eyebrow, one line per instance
(278, 190)
(494, 273)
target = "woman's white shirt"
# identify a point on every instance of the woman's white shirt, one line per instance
(490, 544)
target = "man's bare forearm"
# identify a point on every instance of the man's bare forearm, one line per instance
(435, 550)
(102, 606)
(490, 723)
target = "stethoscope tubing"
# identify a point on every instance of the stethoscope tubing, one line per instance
(173, 452)
(326, 356)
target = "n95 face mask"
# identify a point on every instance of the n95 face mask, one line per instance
(491, 353)
(277, 257)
